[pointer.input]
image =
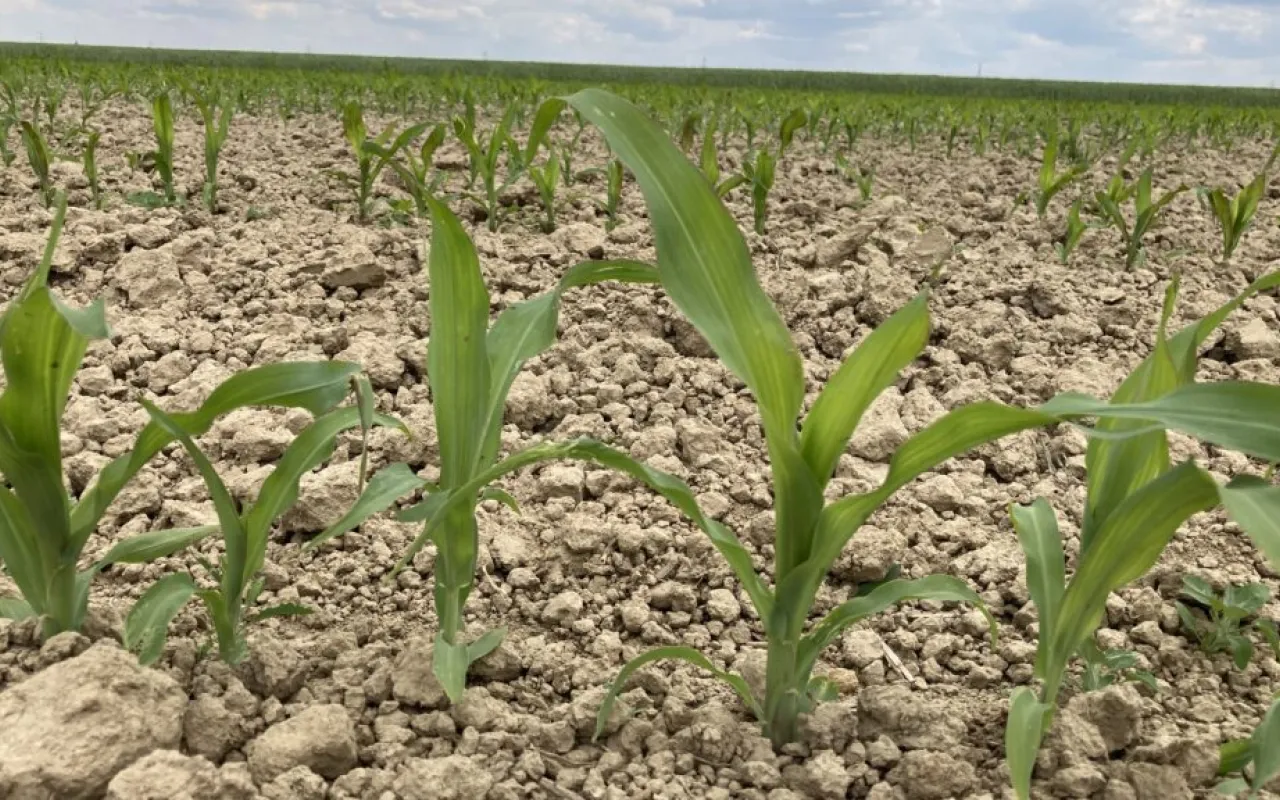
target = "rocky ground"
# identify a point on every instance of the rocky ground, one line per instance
(341, 704)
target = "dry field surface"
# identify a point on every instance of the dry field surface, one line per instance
(342, 704)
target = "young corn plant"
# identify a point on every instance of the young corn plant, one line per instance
(1226, 618)
(484, 155)
(709, 159)
(1050, 182)
(863, 177)
(760, 173)
(1103, 668)
(1257, 758)
(40, 160)
(1136, 499)
(216, 114)
(1235, 214)
(91, 168)
(415, 171)
(705, 268)
(162, 156)
(232, 604)
(546, 178)
(1146, 213)
(471, 366)
(373, 155)
(1071, 237)
(43, 531)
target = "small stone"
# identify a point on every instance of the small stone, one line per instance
(82, 721)
(1079, 780)
(723, 605)
(450, 778)
(273, 668)
(320, 738)
(941, 493)
(561, 480)
(165, 774)
(563, 608)
(927, 775)
(862, 647)
(211, 729)
(874, 552)
(824, 776)
(1254, 339)
(354, 266)
(1158, 782)
(298, 783)
(883, 753)
(412, 679)
(1116, 711)
(881, 430)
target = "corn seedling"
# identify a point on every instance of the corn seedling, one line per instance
(760, 174)
(862, 177)
(1135, 501)
(1235, 214)
(216, 115)
(91, 168)
(415, 171)
(471, 366)
(40, 160)
(43, 532)
(231, 606)
(1103, 668)
(162, 156)
(6, 153)
(1071, 237)
(1146, 213)
(1257, 758)
(1049, 181)
(484, 155)
(705, 268)
(1225, 618)
(546, 178)
(373, 155)
(710, 162)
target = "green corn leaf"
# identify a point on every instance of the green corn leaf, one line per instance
(23, 550)
(233, 530)
(1037, 528)
(147, 625)
(705, 265)
(386, 487)
(505, 498)
(282, 610)
(457, 356)
(1236, 415)
(706, 270)
(1022, 734)
(146, 547)
(1234, 756)
(543, 120)
(279, 491)
(15, 608)
(449, 664)
(1125, 546)
(366, 402)
(860, 379)
(314, 386)
(485, 645)
(1254, 504)
(793, 122)
(676, 653)
(528, 329)
(886, 595)
(709, 158)
(1265, 745)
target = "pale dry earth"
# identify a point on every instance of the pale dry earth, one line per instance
(341, 704)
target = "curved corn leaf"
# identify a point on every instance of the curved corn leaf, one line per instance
(677, 653)
(1022, 734)
(1265, 744)
(457, 356)
(1037, 528)
(1237, 415)
(315, 386)
(386, 487)
(887, 594)
(543, 120)
(312, 446)
(146, 547)
(15, 608)
(860, 379)
(146, 627)
(1254, 504)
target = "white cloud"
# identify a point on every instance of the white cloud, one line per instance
(1205, 41)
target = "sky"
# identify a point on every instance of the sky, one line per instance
(1217, 42)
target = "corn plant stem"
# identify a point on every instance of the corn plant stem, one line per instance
(783, 700)
(62, 606)
(455, 571)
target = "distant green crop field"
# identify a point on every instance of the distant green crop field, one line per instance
(867, 83)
